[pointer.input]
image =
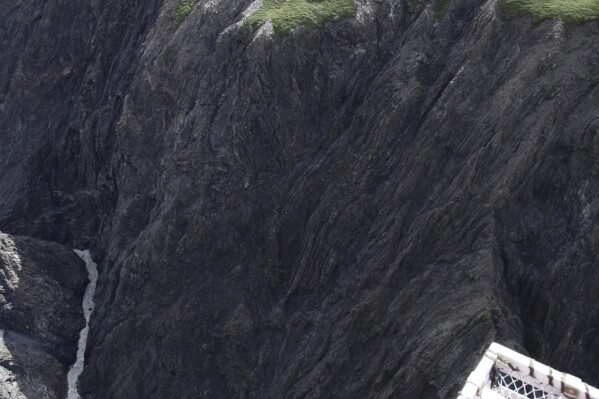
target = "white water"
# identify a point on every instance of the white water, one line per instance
(88, 308)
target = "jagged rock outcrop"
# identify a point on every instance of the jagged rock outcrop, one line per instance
(41, 288)
(354, 211)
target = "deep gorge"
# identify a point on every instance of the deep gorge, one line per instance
(355, 210)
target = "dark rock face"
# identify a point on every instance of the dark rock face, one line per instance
(355, 211)
(42, 287)
(65, 71)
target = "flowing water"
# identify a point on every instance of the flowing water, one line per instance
(88, 308)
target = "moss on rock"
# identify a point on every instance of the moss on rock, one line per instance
(288, 14)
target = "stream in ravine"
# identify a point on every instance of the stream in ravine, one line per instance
(88, 308)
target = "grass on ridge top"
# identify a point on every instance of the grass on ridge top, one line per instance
(288, 14)
(183, 9)
(440, 9)
(569, 11)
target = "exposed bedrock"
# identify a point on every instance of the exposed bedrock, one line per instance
(356, 211)
(41, 285)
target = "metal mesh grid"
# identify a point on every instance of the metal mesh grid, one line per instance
(515, 387)
(504, 373)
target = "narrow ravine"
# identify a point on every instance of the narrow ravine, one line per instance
(88, 308)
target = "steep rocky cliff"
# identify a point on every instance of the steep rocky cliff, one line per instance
(42, 286)
(350, 211)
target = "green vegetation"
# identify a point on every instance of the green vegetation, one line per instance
(288, 14)
(569, 11)
(183, 9)
(440, 9)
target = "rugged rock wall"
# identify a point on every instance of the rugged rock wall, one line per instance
(41, 288)
(353, 211)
